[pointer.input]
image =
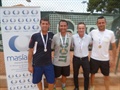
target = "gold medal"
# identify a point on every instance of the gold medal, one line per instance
(63, 50)
(99, 46)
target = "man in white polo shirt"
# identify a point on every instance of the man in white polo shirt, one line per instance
(81, 42)
(100, 51)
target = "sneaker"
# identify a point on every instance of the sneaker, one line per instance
(54, 88)
(76, 88)
(92, 88)
(64, 88)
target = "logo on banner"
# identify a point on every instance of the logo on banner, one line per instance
(28, 20)
(34, 12)
(33, 86)
(4, 20)
(19, 87)
(18, 75)
(19, 43)
(22, 81)
(6, 12)
(13, 81)
(17, 27)
(20, 20)
(29, 80)
(25, 74)
(23, 87)
(26, 27)
(16, 12)
(8, 28)
(10, 76)
(12, 88)
(12, 20)
(26, 86)
(25, 12)
(35, 27)
(36, 20)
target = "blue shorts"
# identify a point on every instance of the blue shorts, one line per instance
(48, 71)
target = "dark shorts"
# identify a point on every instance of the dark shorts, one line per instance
(48, 71)
(65, 71)
(95, 65)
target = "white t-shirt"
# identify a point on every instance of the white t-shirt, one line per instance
(81, 45)
(61, 58)
(101, 43)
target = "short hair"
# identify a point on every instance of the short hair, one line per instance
(101, 17)
(44, 19)
(63, 21)
(81, 23)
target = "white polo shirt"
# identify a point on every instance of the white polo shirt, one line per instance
(102, 39)
(81, 45)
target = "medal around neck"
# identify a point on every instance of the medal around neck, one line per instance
(63, 50)
(63, 42)
(100, 46)
(45, 42)
(45, 50)
(101, 40)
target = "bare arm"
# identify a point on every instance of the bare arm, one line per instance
(30, 56)
(114, 50)
(52, 55)
(113, 54)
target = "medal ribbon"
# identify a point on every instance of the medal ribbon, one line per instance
(81, 42)
(101, 39)
(63, 42)
(44, 42)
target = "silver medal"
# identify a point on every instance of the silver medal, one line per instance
(45, 50)
(45, 42)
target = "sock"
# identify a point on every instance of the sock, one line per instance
(54, 85)
(63, 85)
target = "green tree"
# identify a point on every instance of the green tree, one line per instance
(104, 6)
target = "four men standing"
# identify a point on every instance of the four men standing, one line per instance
(40, 63)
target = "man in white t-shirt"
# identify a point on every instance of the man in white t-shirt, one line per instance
(61, 44)
(102, 38)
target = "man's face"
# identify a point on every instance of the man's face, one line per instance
(81, 29)
(101, 23)
(44, 25)
(63, 27)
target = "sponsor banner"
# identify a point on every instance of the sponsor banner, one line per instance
(17, 25)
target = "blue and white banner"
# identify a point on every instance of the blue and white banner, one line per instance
(18, 24)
